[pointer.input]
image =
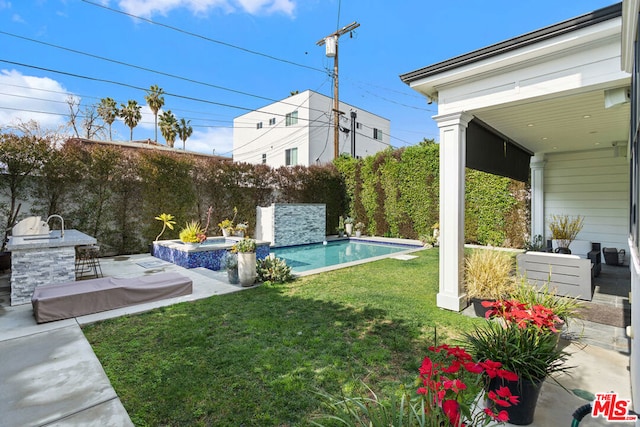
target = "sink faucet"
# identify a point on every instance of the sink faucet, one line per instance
(61, 223)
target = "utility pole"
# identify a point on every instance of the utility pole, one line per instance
(331, 42)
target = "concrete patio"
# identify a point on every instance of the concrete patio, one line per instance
(50, 375)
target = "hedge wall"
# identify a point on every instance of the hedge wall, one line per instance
(396, 193)
(114, 193)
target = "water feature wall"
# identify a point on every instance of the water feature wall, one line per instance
(288, 224)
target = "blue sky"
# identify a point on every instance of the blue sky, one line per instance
(227, 57)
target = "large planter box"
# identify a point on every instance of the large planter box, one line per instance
(566, 275)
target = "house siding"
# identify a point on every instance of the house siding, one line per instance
(595, 185)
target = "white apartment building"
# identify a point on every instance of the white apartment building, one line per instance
(299, 131)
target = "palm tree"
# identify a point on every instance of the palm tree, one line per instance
(169, 127)
(131, 115)
(108, 110)
(155, 100)
(184, 130)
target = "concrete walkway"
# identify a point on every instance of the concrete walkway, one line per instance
(49, 375)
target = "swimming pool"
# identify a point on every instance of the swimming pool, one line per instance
(304, 258)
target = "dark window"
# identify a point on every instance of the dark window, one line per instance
(291, 118)
(291, 157)
(377, 134)
(259, 125)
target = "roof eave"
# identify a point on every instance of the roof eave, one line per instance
(574, 24)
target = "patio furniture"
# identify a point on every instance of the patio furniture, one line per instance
(72, 299)
(87, 262)
(566, 275)
(584, 249)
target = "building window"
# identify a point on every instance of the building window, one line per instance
(272, 121)
(259, 125)
(377, 134)
(291, 157)
(291, 118)
(358, 125)
(264, 159)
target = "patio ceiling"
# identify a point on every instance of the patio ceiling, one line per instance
(564, 123)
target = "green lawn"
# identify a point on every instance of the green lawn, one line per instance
(257, 357)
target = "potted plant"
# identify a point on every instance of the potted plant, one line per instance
(566, 308)
(167, 222)
(192, 234)
(359, 227)
(525, 343)
(230, 263)
(226, 225)
(488, 277)
(564, 230)
(348, 225)
(436, 233)
(241, 229)
(246, 250)
(340, 226)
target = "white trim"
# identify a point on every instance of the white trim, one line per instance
(630, 10)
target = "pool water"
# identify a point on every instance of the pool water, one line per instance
(318, 255)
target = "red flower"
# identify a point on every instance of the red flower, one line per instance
(451, 409)
(505, 393)
(473, 367)
(491, 367)
(502, 416)
(507, 375)
(426, 369)
(455, 385)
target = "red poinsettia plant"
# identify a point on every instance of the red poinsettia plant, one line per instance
(523, 315)
(454, 385)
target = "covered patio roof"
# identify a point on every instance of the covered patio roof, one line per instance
(560, 89)
(544, 90)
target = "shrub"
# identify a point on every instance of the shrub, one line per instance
(274, 270)
(488, 274)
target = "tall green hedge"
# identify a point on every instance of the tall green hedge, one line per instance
(395, 193)
(114, 193)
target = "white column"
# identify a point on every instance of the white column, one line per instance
(537, 195)
(453, 140)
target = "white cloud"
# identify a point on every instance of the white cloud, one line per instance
(208, 140)
(17, 18)
(255, 7)
(25, 98)
(147, 8)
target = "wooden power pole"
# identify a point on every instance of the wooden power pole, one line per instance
(331, 41)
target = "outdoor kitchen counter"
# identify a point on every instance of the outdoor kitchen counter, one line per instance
(41, 260)
(71, 238)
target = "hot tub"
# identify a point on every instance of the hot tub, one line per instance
(209, 254)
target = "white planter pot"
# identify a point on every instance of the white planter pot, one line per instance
(349, 229)
(358, 233)
(247, 268)
(225, 233)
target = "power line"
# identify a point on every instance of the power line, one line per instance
(180, 30)
(126, 64)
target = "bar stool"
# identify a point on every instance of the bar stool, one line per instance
(87, 262)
